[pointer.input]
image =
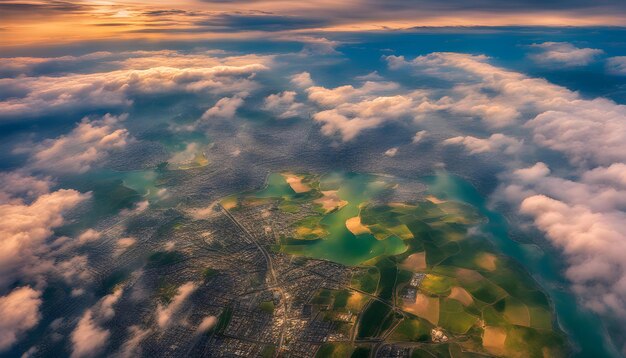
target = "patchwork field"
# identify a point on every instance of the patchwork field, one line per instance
(418, 278)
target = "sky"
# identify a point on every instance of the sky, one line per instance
(526, 99)
(60, 21)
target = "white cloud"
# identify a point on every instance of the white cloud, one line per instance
(348, 110)
(283, 104)
(20, 312)
(89, 235)
(132, 346)
(165, 314)
(616, 65)
(595, 245)
(24, 229)
(39, 95)
(91, 141)
(123, 244)
(207, 323)
(588, 132)
(584, 218)
(89, 337)
(563, 54)
(419, 136)
(391, 152)
(224, 108)
(18, 185)
(302, 80)
(496, 142)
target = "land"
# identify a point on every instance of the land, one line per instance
(325, 266)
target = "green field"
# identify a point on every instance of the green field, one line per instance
(483, 301)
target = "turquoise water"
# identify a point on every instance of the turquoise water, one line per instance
(584, 329)
(341, 245)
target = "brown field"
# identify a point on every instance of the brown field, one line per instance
(355, 226)
(295, 182)
(493, 340)
(461, 295)
(330, 200)
(415, 262)
(518, 314)
(425, 307)
(487, 261)
(229, 203)
(356, 301)
(433, 199)
(465, 275)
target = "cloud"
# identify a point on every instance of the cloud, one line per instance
(496, 142)
(89, 337)
(89, 235)
(391, 152)
(616, 65)
(24, 230)
(347, 111)
(207, 323)
(165, 314)
(302, 80)
(132, 346)
(224, 108)
(595, 244)
(563, 54)
(20, 312)
(123, 244)
(588, 132)
(419, 136)
(91, 141)
(283, 104)
(18, 185)
(584, 218)
(32, 96)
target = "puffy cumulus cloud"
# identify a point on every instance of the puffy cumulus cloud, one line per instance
(419, 136)
(123, 244)
(347, 111)
(614, 175)
(496, 142)
(350, 119)
(595, 244)
(207, 323)
(582, 216)
(165, 314)
(132, 345)
(391, 152)
(302, 80)
(616, 65)
(563, 54)
(224, 108)
(20, 312)
(588, 132)
(89, 142)
(24, 230)
(18, 185)
(36, 95)
(89, 337)
(283, 104)
(338, 95)
(89, 235)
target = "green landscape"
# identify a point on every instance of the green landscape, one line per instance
(419, 276)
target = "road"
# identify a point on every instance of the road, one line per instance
(270, 269)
